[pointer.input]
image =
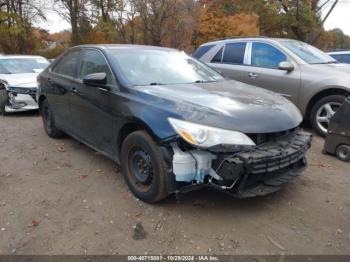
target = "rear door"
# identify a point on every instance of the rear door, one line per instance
(90, 106)
(231, 60)
(263, 59)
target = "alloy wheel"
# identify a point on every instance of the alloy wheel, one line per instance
(325, 113)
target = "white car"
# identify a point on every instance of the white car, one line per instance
(18, 84)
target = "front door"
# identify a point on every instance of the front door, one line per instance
(263, 71)
(90, 105)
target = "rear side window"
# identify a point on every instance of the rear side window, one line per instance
(94, 62)
(342, 58)
(202, 50)
(267, 56)
(68, 64)
(234, 53)
(217, 58)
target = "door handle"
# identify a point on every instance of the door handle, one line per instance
(104, 88)
(74, 90)
(252, 75)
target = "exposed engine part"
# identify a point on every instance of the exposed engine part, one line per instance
(193, 165)
(184, 165)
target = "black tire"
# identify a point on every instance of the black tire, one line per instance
(143, 167)
(343, 153)
(3, 101)
(48, 120)
(333, 99)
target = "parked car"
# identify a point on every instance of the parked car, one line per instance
(310, 78)
(172, 123)
(18, 82)
(341, 56)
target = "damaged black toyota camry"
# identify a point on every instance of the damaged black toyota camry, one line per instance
(172, 123)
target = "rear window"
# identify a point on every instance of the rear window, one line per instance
(202, 50)
(68, 64)
(234, 53)
(344, 58)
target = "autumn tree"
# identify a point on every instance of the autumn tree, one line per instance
(222, 19)
(16, 29)
(299, 19)
(73, 12)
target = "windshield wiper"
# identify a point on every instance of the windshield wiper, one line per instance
(325, 63)
(204, 81)
(156, 84)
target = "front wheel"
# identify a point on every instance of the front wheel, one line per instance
(323, 111)
(143, 167)
(48, 120)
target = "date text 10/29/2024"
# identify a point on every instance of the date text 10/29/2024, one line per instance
(173, 258)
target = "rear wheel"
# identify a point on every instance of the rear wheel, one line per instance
(143, 167)
(49, 122)
(343, 153)
(323, 111)
(3, 101)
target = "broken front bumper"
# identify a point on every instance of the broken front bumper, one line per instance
(257, 171)
(21, 99)
(265, 168)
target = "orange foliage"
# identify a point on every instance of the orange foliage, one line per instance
(214, 25)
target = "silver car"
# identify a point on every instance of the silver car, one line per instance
(310, 78)
(18, 84)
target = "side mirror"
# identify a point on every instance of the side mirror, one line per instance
(286, 66)
(97, 79)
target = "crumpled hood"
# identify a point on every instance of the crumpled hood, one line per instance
(227, 104)
(20, 80)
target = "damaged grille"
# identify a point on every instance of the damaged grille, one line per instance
(267, 158)
(277, 155)
(266, 137)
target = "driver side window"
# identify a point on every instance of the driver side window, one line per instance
(267, 56)
(94, 62)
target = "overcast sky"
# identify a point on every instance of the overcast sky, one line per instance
(340, 18)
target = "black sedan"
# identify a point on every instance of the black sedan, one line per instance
(171, 122)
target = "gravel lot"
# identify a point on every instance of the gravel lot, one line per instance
(60, 197)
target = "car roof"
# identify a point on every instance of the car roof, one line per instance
(339, 52)
(127, 46)
(20, 56)
(247, 38)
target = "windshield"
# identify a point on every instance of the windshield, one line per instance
(308, 53)
(22, 65)
(155, 67)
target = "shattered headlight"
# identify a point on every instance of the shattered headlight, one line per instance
(207, 136)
